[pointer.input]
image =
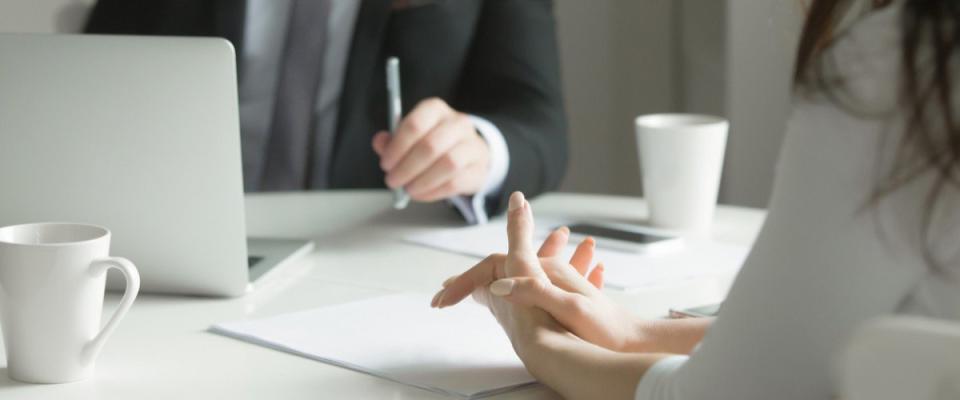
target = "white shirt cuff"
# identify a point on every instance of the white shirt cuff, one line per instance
(656, 382)
(473, 207)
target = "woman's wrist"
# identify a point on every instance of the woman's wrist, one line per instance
(676, 336)
(640, 339)
(538, 341)
(580, 370)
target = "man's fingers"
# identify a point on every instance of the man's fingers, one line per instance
(554, 243)
(583, 255)
(424, 117)
(596, 276)
(380, 142)
(480, 275)
(520, 228)
(446, 167)
(469, 181)
(435, 146)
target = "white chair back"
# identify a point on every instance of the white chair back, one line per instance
(900, 358)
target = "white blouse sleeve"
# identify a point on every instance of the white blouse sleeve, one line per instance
(825, 262)
(817, 270)
(656, 380)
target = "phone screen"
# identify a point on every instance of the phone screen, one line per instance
(616, 234)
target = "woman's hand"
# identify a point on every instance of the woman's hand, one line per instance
(539, 298)
(564, 289)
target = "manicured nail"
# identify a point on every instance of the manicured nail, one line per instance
(564, 230)
(436, 299)
(502, 287)
(516, 201)
(449, 281)
(443, 293)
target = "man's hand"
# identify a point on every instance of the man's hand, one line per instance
(436, 153)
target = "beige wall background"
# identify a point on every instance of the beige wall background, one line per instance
(737, 61)
(623, 58)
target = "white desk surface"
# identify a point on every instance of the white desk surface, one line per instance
(162, 349)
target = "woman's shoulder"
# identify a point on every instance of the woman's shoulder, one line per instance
(863, 66)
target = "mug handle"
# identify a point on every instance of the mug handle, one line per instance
(129, 271)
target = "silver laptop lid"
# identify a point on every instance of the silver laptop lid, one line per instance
(138, 134)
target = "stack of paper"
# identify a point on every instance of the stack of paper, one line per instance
(696, 259)
(459, 351)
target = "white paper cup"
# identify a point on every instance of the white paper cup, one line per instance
(681, 158)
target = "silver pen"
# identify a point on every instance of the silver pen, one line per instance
(400, 196)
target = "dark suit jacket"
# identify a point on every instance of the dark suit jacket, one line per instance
(496, 59)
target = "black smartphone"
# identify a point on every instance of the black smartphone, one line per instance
(620, 237)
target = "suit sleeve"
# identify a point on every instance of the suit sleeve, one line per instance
(120, 17)
(221, 18)
(512, 79)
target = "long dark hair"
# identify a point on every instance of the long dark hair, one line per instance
(930, 44)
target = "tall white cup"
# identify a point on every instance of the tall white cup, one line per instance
(52, 279)
(681, 157)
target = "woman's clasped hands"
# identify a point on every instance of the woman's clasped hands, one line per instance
(536, 294)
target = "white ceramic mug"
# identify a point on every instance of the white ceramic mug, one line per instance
(681, 158)
(52, 278)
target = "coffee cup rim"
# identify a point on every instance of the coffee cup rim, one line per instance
(104, 232)
(661, 120)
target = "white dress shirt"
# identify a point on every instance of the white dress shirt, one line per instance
(826, 261)
(264, 33)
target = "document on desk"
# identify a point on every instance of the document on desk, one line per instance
(459, 351)
(696, 259)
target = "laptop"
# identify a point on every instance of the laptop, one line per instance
(140, 135)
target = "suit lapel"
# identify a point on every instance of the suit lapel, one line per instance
(361, 64)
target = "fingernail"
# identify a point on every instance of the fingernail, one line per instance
(449, 281)
(516, 201)
(443, 293)
(502, 287)
(564, 230)
(436, 299)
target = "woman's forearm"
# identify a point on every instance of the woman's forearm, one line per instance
(676, 336)
(580, 370)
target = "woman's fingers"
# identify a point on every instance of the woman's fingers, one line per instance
(596, 276)
(480, 275)
(521, 258)
(583, 256)
(568, 308)
(449, 281)
(567, 278)
(554, 243)
(519, 226)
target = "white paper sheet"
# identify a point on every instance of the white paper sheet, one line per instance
(459, 351)
(696, 259)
